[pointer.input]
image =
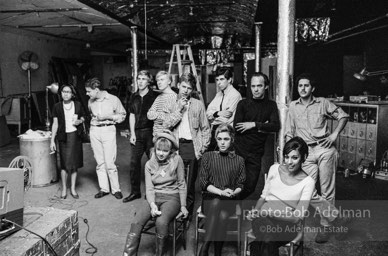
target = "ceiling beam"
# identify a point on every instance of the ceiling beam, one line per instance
(44, 10)
(71, 25)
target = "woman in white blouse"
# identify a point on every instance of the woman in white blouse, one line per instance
(284, 201)
(67, 117)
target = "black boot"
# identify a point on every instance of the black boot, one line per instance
(205, 249)
(218, 248)
(133, 240)
(160, 244)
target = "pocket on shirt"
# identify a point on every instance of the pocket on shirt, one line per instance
(317, 121)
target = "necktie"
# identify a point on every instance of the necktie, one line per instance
(222, 100)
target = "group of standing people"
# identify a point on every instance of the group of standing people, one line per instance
(223, 145)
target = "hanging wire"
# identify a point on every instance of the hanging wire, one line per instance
(145, 28)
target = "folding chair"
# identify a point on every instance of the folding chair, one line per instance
(294, 247)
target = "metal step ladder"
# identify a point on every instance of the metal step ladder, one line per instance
(185, 61)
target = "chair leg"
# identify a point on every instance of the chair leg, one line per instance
(174, 238)
(245, 244)
(196, 236)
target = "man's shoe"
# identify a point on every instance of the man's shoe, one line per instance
(101, 194)
(118, 195)
(131, 197)
(322, 236)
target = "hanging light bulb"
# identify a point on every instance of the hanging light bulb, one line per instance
(191, 11)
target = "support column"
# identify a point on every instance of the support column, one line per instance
(134, 57)
(286, 32)
(258, 46)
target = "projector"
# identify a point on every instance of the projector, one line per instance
(11, 199)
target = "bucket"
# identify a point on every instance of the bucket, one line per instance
(44, 168)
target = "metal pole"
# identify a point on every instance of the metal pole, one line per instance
(258, 46)
(134, 57)
(286, 32)
(29, 98)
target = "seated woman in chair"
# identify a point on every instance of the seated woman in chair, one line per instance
(222, 176)
(165, 192)
(284, 201)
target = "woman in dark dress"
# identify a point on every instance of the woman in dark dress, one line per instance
(222, 176)
(68, 115)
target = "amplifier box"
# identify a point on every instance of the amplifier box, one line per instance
(58, 227)
(11, 199)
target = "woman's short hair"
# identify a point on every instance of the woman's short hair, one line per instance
(296, 143)
(163, 73)
(224, 71)
(93, 83)
(72, 89)
(225, 128)
(189, 79)
(163, 144)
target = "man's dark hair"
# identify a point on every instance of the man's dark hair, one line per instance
(93, 83)
(224, 71)
(264, 76)
(307, 76)
(296, 143)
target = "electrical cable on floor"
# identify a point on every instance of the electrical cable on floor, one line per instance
(93, 249)
(44, 240)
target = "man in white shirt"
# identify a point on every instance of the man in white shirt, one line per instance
(106, 110)
(223, 106)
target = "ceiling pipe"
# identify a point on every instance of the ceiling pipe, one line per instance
(257, 46)
(286, 30)
(359, 25)
(356, 34)
(134, 57)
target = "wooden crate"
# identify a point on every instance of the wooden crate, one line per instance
(58, 227)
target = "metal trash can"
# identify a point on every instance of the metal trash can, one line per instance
(44, 168)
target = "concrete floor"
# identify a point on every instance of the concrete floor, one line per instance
(109, 218)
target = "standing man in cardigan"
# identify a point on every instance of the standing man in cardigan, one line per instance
(254, 118)
(141, 130)
(191, 127)
(223, 107)
(106, 110)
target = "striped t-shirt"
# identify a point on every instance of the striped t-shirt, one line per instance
(162, 106)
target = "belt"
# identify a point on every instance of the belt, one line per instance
(101, 125)
(185, 141)
(313, 144)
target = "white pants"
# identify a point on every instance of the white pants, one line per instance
(103, 142)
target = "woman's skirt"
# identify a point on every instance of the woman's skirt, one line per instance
(70, 152)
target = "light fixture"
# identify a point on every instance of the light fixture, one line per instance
(54, 89)
(191, 11)
(364, 73)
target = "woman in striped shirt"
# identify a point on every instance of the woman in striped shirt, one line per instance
(222, 176)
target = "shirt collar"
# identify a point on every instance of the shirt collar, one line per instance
(231, 154)
(104, 95)
(313, 100)
(227, 89)
(148, 93)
